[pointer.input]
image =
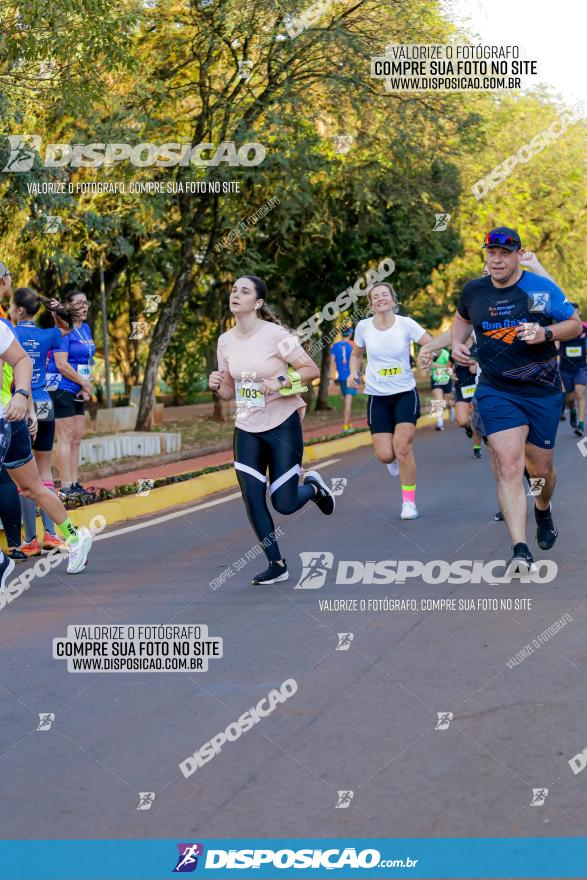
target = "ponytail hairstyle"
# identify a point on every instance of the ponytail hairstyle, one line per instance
(28, 299)
(391, 290)
(261, 290)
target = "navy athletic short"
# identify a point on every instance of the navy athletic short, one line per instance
(577, 377)
(501, 410)
(464, 392)
(19, 451)
(446, 388)
(388, 410)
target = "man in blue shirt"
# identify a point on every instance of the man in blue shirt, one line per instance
(340, 358)
(517, 317)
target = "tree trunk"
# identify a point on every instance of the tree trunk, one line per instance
(169, 317)
(322, 400)
(217, 414)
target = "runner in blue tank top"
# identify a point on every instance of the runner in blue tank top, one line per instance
(37, 341)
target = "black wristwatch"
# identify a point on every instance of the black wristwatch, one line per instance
(23, 392)
(548, 334)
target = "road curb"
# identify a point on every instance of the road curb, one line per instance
(166, 497)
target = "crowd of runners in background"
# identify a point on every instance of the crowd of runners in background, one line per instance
(46, 377)
(512, 365)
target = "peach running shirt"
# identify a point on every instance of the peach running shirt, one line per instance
(248, 361)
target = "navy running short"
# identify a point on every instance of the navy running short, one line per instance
(500, 410)
(446, 387)
(465, 393)
(386, 411)
(570, 379)
(478, 426)
(19, 451)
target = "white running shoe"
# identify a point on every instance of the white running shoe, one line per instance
(6, 569)
(409, 510)
(393, 468)
(78, 553)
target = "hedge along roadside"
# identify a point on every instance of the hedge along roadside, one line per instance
(334, 308)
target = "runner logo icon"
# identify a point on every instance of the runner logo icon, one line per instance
(315, 567)
(338, 485)
(539, 795)
(21, 159)
(537, 302)
(187, 860)
(344, 800)
(46, 719)
(536, 485)
(146, 799)
(344, 641)
(444, 719)
(441, 222)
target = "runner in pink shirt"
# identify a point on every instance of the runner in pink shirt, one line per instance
(255, 362)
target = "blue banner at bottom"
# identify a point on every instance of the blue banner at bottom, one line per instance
(293, 857)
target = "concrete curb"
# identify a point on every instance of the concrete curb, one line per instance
(167, 497)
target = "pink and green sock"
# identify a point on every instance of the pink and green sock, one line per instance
(409, 493)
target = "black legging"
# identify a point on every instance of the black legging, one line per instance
(280, 451)
(9, 509)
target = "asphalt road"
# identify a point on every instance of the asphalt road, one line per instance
(362, 720)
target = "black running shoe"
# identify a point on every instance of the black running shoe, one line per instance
(477, 452)
(522, 562)
(78, 489)
(498, 516)
(277, 571)
(323, 497)
(579, 430)
(17, 555)
(546, 533)
(6, 569)
(469, 432)
(573, 417)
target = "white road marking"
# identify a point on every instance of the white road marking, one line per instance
(186, 511)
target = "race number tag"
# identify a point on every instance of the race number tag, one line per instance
(44, 410)
(391, 372)
(573, 351)
(468, 391)
(85, 371)
(52, 381)
(249, 394)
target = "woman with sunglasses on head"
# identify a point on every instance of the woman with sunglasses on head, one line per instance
(37, 342)
(69, 382)
(253, 360)
(394, 406)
